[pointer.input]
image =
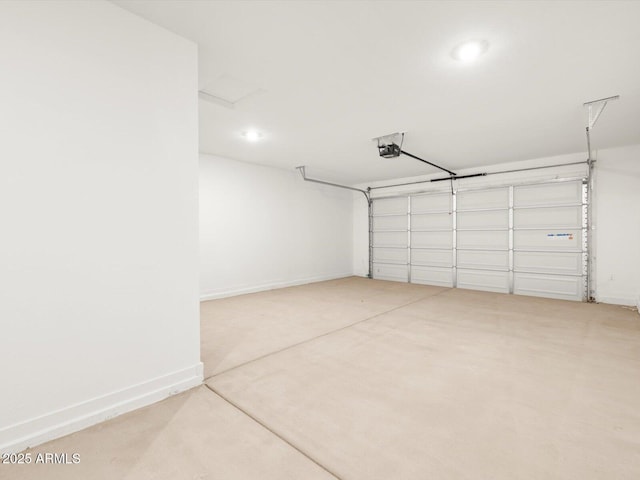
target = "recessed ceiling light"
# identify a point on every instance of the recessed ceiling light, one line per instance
(252, 135)
(470, 51)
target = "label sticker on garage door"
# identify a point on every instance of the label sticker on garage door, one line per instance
(560, 236)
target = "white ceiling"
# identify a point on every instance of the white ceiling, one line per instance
(321, 79)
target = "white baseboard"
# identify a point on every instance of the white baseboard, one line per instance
(269, 286)
(626, 301)
(35, 431)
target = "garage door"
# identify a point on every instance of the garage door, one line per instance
(549, 258)
(524, 239)
(483, 239)
(390, 226)
(432, 239)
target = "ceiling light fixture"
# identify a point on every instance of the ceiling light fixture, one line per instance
(469, 51)
(252, 135)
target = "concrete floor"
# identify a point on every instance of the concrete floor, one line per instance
(365, 379)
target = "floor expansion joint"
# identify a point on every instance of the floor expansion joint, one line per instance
(326, 334)
(302, 452)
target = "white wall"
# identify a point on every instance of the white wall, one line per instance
(617, 221)
(98, 202)
(263, 228)
(616, 214)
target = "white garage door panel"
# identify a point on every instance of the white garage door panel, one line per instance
(390, 239)
(552, 239)
(550, 286)
(524, 239)
(390, 255)
(484, 280)
(433, 221)
(432, 276)
(440, 240)
(548, 262)
(471, 259)
(433, 258)
(479, 199)
(483, 240)
(558, 217)
(561, 193)
(396, 273)
(547, 242)
(389, 206)
(483, 220)
(431, 203)
(390, 222)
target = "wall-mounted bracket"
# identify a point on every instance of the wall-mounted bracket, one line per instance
(596, 107)
(595, 110)
(388, 139)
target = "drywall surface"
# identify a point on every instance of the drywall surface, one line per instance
(98, 194)
(263, 228)
(616, 216)
(617, 222)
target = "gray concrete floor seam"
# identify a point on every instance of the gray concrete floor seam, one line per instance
(426, 297)
(273, 432)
